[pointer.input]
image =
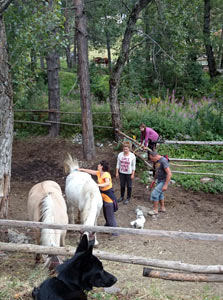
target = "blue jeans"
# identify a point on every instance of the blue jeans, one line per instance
(157, 193)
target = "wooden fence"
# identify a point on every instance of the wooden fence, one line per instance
(205, 273)
(170, 142)
(49, 123)
(140, 155)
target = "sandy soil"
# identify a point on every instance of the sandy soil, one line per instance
(40, 159)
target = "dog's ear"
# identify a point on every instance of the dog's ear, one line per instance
(35, 293)
(83, 245)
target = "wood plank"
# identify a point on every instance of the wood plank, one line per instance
(168, 275)
(121, 230)
(129, 259)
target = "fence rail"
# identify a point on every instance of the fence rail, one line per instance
(137, 260)
(58, 112)
(213, 143)
(48, 123)
(204, 273)
(81, 228)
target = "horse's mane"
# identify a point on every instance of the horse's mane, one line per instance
(70, 164)
(48, 238)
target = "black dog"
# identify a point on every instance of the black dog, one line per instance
(82, 272)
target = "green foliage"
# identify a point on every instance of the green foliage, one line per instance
(68, 84)
(165, 125)
(210, 120)
(192, 151)
(99, 83)
(192, 182)
(32, 31)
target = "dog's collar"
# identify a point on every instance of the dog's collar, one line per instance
(74, 170)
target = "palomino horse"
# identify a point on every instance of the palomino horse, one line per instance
(82, 191)
(46, 204)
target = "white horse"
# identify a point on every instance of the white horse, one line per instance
(46, 204)
(82, 191)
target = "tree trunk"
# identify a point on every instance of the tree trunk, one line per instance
(6, 120)
(83, 73)
(207, 41)
(220, 56)
(108, 48)
(68, 57)
(42, 64)
(53, 66)
(52, 60)
(74, 60)
(67, 33)
(108, 51)
(147, 31)
(117, 70)
(33, 60)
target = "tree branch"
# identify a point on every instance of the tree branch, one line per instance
(4, 5)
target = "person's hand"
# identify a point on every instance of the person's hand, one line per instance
(117, 175)
(132, 176)
(152, 185)
(164, 188)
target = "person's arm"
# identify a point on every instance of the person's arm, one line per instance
(92, 172)
(106, 183)
(141, 138)
(117, 173)
(117, 166)
(168, 177)
(146, 137)
(133, 167)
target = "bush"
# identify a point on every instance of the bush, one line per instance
(68, 84)
(99, 83)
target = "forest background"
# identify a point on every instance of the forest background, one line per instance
(171, 78)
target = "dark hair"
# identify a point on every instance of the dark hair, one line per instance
(142, 126)
(152, 153)
(105, 165)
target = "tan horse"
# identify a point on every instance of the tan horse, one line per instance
(46, 204)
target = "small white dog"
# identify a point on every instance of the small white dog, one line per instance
(140, 220)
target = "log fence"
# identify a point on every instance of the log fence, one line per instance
(197, 273)
(140, 155)
(182, 276)
(119, 230)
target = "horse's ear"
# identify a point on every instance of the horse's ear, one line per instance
(83, 245)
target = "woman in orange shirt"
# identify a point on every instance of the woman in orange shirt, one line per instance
(107, 192)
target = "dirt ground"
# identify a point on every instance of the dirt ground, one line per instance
(40, 159)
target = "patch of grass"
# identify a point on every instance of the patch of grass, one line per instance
(11, 286)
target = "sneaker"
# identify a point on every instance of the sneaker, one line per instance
(126, 201)
(120, 199)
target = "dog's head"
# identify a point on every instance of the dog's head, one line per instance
(84, 270)
(139, 213)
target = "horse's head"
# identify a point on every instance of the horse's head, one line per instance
(70, 164)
